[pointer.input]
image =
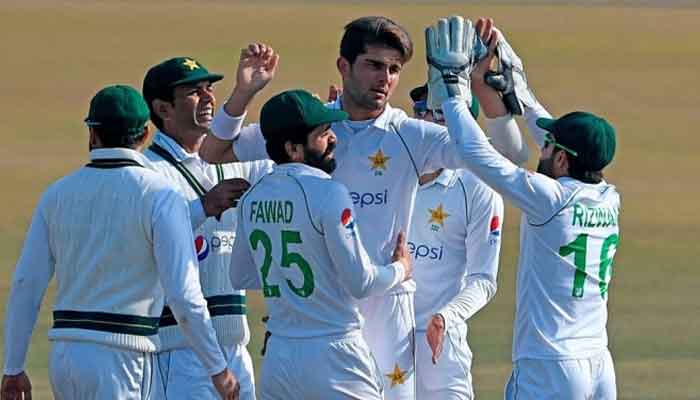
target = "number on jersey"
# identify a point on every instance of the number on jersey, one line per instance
(580, 249)
(288, 259)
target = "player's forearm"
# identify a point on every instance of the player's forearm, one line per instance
(176, 261)
(531, 114)
(506, 138)
(32, 275)
(478, 291)
(380, 279)
(224, 130)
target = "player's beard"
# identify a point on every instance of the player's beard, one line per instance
(324, 161)
(546, 167)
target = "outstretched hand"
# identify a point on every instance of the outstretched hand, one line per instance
(256, 67)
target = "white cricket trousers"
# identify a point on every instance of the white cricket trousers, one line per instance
(179, 375)
(577, 379)
(320, 368)
(389, 329)
(91, 371)
(450, 378)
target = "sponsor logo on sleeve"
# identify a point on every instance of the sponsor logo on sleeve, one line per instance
(348, 222)
(202, 247)
(494, 229)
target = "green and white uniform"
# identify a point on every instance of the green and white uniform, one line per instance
(179, 374)
(455, 241)
(568, 237)
(298, 242)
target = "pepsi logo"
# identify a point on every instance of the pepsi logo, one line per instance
(202, 247)
(495, 224)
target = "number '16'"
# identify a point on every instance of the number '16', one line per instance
(580, 249)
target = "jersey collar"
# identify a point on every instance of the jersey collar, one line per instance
(389, 116)
(173, 147)
(297, 169)
(445, 179)
(118, 152)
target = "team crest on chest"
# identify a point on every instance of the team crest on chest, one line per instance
(379, 162)
(437, 217)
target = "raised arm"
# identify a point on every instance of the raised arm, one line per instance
(256, 68)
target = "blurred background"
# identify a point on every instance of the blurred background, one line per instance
(634, 62)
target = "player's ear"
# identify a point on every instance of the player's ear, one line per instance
(162, 108)
(343, 66)
(294, 152)
(561, 163)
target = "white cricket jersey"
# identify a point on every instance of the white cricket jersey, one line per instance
(455, 237)
(298, 242)
(568, 237)
(112, 233)
(213, 238)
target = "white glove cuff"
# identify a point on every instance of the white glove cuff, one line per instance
(226, 127)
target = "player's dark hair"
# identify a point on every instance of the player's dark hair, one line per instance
(110, 137)
(374, 31)
(167, 95)
(578, 171)
(276, 150)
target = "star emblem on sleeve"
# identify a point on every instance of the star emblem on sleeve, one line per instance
(437, 217)
(190, 63)
(397, 377)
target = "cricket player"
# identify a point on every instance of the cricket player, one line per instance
(112, 233)
(381, 153)
(569, 235)
(455, 242)
(299, 243)
(181, 99)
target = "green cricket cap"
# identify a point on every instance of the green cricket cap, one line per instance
(118, 108)
(592, 137)
(174, 72)
(292, 114)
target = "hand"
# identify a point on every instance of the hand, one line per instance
(402, 255)
(223, 196)
(505, 73)
(453, 48)
(16, 387)
(256, 68)
(227, 385)
(435, 335)
(334, 92)
(488, 33)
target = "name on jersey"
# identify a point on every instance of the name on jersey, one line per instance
(271, 211)
(424, 251)
(595, 217)
(369, 199)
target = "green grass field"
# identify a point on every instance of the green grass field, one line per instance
(635, 64)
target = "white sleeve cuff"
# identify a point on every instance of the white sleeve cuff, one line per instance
(226, 127)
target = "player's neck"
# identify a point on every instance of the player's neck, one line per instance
(357, 112)
(190, 141)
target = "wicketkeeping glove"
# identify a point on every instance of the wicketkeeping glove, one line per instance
(453, 48)
(509, 79)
